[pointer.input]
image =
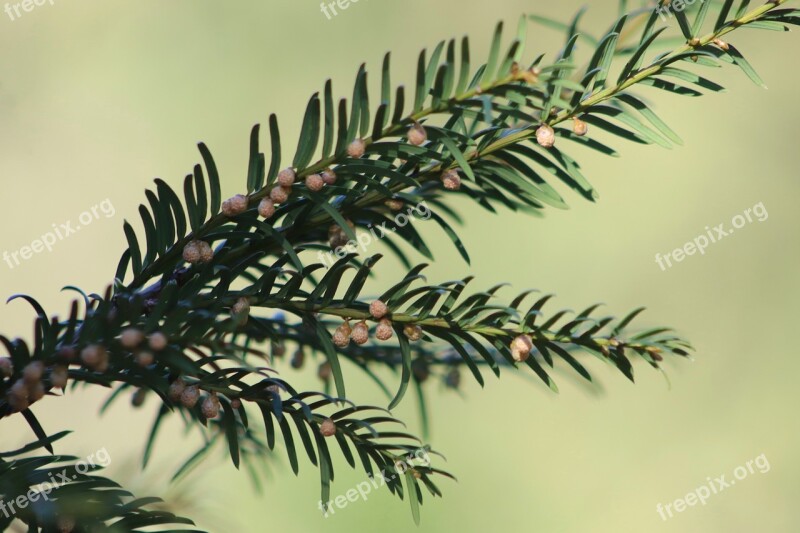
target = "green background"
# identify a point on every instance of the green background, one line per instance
(98, 98)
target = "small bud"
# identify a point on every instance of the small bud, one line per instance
(278, 349)
(413, 332)
(286, 177)
(131, 338)
(33, 372)
(327, 428)
(416, 473)
(266, 208)
(191, 253)
(236, 403)
(137, 400)
(58, 376)
(66, 525)
(360, 334)
(453, 378)
(451, 180)
(67, 354)
(17, 396)
(394, 204)
(329, 176)
(95, 357)
(655, 353)
(545, 136)
(341, 337)
(241, 308)
(421, 370)
(158, 341)
(145, 358)
(206, 253)
(356, 149)
(378, 309)
(314, 182)
(279, 194)
(6, 367)
(197, 252)
(579, 127)
(298, 358)
(210, 407)
(384, 331)
(190, 396)
(35, 392)
(722, 45)
(176, 390)
(521, 348)
(694, 42)
(417, 135)
(235, 205)
(324, 372)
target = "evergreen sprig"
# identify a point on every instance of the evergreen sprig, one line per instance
(212, 282)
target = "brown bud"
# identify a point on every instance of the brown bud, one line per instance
(341, 337)
(279, 194)
(360, 333)
(266, 208)
(158, 341)
(145, 358)
(66, 525)
(95, 357)
(33, 372)
(206, 253)
(378, 309)
(298, 358)
(241, 308)
(417, 135)
(694, 42)
(451, 180)
(324, 372)
(35, 391)
(131, 338)
(356, 149)
(137, 400)
(190, 396)
(58, 376)
(6, 367)
(579, 127)
(453, 378)
(545, 136)
(314, 182)
(384, 331)
(421, 370)
(235, 205)
(521, 348)
(394, 204)
(236, 403)
(17, 396)
(722, 45)
(210, 407)
(413, 332)
(176, 389)
(327, 428)
(197, 252)
(329, 176)
(286, 177)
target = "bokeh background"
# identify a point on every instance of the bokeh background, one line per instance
(98, 98)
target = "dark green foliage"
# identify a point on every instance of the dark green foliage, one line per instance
(480, 122)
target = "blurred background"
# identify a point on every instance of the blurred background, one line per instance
(99, 98)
